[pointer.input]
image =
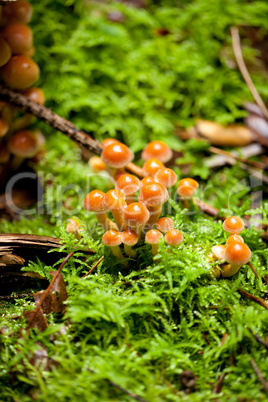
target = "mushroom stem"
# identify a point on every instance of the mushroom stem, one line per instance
(129, 251)
(117, 252)
(16, 162)
(118, 218)
(230, 270)
(155, 213)
(105, 222)
(130, 199)
(155, 248)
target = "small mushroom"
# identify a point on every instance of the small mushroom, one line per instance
(130, 238)
(129, 185)
(153, 195)
(136, 215)
(153, 237)
(151, 166)
(236, 254)
(186, 189)
(73, 227)
(23, 144)
(113, 239)
(158, 150)
(93, 202)
(233, 225)
(96, 164)
(164, 225)
(109, 141)
(165, 176)
(234, 237)
(117, 155)
(19, 37)
(114, 202)
(147, 180)
(174, 237)
(35, 94)
(5, 53)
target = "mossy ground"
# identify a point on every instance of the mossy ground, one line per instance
(141, 327)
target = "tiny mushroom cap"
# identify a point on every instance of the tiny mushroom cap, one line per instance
(93, 201)
(219, 252)
(166, 176)
(187, 187)
(114, 200)
(112, 238)
(117, 155)
(128, 184)
(35, 94)
(109, 141)
(234, 237)
(157, 149)
(24, 144)
(136, 214)
(151, 166)
(147, 180)
(233, 225)
(129, 237)
(153, 236)
(164, 224)
(173, 237)
(237, 253)
(153, 194)
(3, 127)
(96, 164)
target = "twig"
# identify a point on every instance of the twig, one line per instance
(59, 123)
(208, 209)
(259, 339)
(257, 165)
(218, 387)
(94, 266)
(253, 298)
(259, 375)
(38, 306)
(125, 391)
(253, 270)
(244, 71)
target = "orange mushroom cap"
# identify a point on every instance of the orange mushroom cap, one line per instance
(24, 144)
(93, 201)
(19, 37)
(128, 183)
(114, 200)
(136, 214)
(129, 237)
(151, 166)
(164, 224)
(237, 253)
(218, 251)
(36, 95)
(165, 176)
(234, 237)
(112, 238)
(96, 164)
(187, 187)
(174, 237)
(153, 236)
(147, 180)
(117, 155)
(233, 224)
(109, 141)
(72, 226)
(158, 150)
(153, 194)
(19, 11)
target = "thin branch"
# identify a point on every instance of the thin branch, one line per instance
(125, 391)
(244, 71)
(218, 387)
(36, 310)
(94, 266)
(253, 298)
(259, 339)
(59, 123)
(259, 375)
(257, 165)
(253, 270)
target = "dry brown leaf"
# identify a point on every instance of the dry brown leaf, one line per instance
(55, 298)
(36, 319)
(231, 136)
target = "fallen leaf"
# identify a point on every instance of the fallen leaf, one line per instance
(36, 319)
(55, 298)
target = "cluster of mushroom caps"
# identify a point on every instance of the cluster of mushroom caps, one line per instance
(136, 205)
(18, 71)
(235, 253)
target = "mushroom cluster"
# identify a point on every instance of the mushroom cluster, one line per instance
(18, 71)
(235, 253)
(135, 205)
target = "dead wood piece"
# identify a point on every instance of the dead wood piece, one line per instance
(256, 299)
(208, 209)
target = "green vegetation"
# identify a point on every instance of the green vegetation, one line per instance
(141, 327)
